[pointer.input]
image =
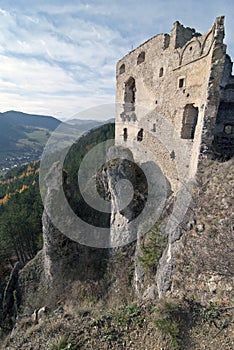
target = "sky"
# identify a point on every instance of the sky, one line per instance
(58, 57)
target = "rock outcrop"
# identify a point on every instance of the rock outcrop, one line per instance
(50, 275)
(11, 300)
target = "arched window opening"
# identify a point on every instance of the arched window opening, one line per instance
(129, 95)
(154, 127)
(141, 58)
(125, 134)
(189, 122)
(122, 69)
(161, 72)
(140, 135)
(228, 129)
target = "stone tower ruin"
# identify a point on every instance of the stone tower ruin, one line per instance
(175, 99)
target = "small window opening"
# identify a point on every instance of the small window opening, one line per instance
(125, 135)
(172, 155)
(141, 58)
(181, 82)
(134, 117)
(156, 102)
(190, 49)
(154, 127)
(228, 129)
(189, 122)
(140, 135)
(122, 69)
(161, 72)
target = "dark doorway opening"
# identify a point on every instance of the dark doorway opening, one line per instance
(129, 95)
(189, 122)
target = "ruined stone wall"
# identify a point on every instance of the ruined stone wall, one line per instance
(223, 130)
(157, 82)
(174, 107)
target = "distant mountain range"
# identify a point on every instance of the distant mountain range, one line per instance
(88, 124)
(23, 136)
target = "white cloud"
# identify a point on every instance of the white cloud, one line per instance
(58, 56)
(38, 87)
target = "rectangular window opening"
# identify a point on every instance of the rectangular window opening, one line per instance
(181, 82)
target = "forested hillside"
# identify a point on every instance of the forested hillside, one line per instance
(23, 136)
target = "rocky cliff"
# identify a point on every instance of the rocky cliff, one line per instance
(91, 309)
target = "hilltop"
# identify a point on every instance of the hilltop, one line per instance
(23, 136)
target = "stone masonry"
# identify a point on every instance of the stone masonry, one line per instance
(175, 98)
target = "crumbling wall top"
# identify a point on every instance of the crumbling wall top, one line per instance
(219, 29)
(180, 35)
(164, 38)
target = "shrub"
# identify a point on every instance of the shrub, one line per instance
(169, 322)
(152, 250)
(130, 314)
(62, 344)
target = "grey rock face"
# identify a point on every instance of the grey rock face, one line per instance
(62, 255)
(125, 226)
(124, 184)
(9, 299)
(62, 260)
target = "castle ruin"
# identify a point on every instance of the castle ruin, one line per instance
(175, 98)
(175, 107)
